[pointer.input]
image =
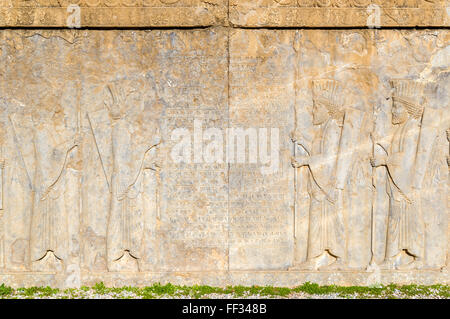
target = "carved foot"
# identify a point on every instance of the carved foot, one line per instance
(372, 266)
(307, 265)
(339, 264)
(416, 264)
(387, 264)
(50, 262)
(125, 263)
(295, 267)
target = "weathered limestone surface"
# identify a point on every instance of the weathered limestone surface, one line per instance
(88, 175)
(113, 13)
(347, 74)
(91, 191)
(224, 155)
(248, 13)
(342, 13)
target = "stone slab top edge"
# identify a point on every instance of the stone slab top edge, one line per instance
(235, 13)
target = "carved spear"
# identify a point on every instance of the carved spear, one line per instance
(299, 149)
(296, 49)
(375, 141)
(448, 139)
(374, 201)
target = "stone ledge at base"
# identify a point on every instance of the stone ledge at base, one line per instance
(227, 278)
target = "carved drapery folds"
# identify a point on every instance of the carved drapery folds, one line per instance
(412, 155)
(127, 141)
(2, 168)
(332, 156)
(90, 189)
(47, 141)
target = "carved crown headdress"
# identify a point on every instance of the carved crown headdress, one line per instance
(118, 91)
(409, 93)
(331, 94)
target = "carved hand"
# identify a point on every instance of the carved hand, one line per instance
(378, 161)
(300, 161)
(78, 139)
(152, 161)
(157, 164)
(74, 159)
(295, 136)
(415, 195)
(334, 195)
(338, 194)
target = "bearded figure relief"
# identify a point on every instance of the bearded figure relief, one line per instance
(127, 138)
(329, 159)
(409, 159)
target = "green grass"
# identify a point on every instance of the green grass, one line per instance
(5, 290)
(308, 290)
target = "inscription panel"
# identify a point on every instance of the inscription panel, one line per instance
(194, 194)
(303, 152)
(261, 94)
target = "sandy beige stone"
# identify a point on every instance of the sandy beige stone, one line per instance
(343, 98)
(113, 13)
(136, 211)
(245, 13)
(339, 176)
(338, 13)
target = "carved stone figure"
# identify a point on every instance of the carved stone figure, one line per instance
(90, 193)
(330, 155)
(127, 138)
(2, 167)
(408, 158)
(448, 139)
(447, 264)
(47, 141)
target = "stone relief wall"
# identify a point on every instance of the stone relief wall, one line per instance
(114, 13)
(245, 13)
(344, 13)
(347, 182)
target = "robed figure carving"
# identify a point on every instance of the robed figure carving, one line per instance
(47, 141)
(336, 128)
(447, 264)
(2, 168)
(407, 159)
(127, 137)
